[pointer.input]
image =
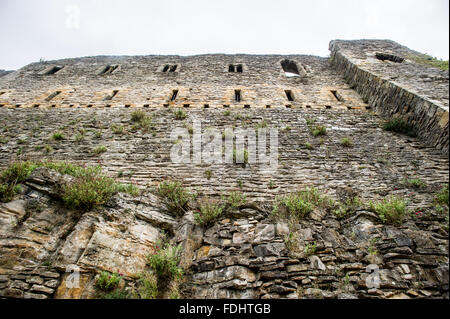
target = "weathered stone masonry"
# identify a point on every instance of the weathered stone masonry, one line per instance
(407, 89)
(244, 255)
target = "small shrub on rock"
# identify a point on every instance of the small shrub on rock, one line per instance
(399, 125)
(88, 189)
(174, 196)
(164, 261)
(391, 210)
(300, 204)
(208, 212)
(107, 281)
(442, 196)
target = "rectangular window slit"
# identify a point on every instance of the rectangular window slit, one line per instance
(173, 68)
(174, 95)
(108, 105)
(308, 106)
(337, 96)
(166, 105)
(289, 95)
(109, 69)
(226, 105)
(127, 105)
(89, 105)
(36, 105)
(267, 106)
(206, 106)
(239, 68)
(110, 97)
(328, 106)
(231, 68)
(237, 95)
(288, 106)
(53, 70)
(246, 106)
(53, 95)
(146, 105)
(166, 68)
(185, 105)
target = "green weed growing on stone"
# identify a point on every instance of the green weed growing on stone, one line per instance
(391, 210)
(300, 204)
(138, 115)
(208, 212)
(236, 199)
(431, 61)
(347, 208)
(147, 286)
(310, 249)
(442, 196)
(107, 281)
(88, 189)
(174, 196)
(308, 146)
(99, 150)
(165, 259)
(118, 129)
(262, 124)
(415, 183)
(58, 136)
(179, 114)
(141, 120)
(318, 130)
(399, 125)
(346, 142)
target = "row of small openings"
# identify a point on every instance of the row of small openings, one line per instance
(206, 106)
(237, 95)
(289, 67)
(170, 68)
(235, 68)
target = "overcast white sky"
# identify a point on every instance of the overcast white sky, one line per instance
(54, 29)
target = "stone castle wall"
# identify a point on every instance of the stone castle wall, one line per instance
(243, 255)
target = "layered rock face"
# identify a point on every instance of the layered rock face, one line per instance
(247, 253)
